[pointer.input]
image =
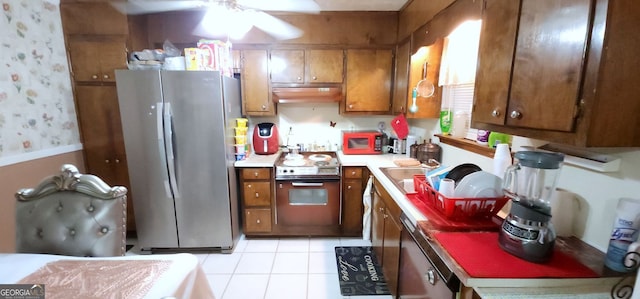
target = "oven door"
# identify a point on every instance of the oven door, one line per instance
(308, 202)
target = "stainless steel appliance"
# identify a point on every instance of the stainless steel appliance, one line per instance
(178, 134)
(527, 231)
(308, 193)
(423, 273)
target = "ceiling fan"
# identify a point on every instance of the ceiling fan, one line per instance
(229, 18)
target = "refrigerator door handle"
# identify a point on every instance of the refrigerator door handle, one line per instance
(161, 150)
(168, 136)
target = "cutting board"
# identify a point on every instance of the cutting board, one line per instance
(400, 126)
(479, 254)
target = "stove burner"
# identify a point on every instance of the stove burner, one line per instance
(307, 165)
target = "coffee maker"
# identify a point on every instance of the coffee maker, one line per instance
(527, 231)
(265, 139)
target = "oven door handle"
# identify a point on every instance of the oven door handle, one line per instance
(304, 184)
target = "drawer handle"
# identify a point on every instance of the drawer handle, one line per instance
(105, 76)
(257, 194)
(94, 77)
(258, 221)
(431, 276)
(353, 173)
(255, 174)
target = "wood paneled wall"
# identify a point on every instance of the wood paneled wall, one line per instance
(360, 29)
(418, 12)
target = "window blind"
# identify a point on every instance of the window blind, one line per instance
(459, 97)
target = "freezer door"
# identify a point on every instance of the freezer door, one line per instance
(141, 110)
(199, 147)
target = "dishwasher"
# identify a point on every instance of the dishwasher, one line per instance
(423, 274)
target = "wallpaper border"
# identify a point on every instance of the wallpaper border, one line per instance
(19, 158)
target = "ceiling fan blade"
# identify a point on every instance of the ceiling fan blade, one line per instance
(221, 23)
(137, 7)
(275, 27)
(304, 6)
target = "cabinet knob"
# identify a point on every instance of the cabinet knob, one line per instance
(381, 210)
(107, 161)
(117, 160)
(348, 187)
(257, 194)
(315, 78)
(105, 76)
(255, 174)
(258, 221)
(299, 78)
(515, 114)
(249, 186)
(353, 173)
(350, 106)
(264, 107)
(431, 276)
(94, 77)
(385, 216)
(495, 113)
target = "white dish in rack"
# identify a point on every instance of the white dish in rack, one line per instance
(480, 184)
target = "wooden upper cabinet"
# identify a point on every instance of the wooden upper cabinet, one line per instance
(368, 82)
(256, 96)
(547, 64)
(426, 65)
(307, 66)
(94, 60)
(93, 18)
(401, 102)
(559, 71)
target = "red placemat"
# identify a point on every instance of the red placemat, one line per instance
(479, 254)
(440, 222)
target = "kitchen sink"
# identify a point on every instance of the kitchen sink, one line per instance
(402, 177)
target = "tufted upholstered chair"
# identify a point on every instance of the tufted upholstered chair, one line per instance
(71, 214)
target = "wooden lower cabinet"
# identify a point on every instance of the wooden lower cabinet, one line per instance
(102, 139)
(385, 235)
(257, 220)
(353, 183)
(257, 195)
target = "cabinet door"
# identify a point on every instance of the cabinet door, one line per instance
(377, 224)
(547, 41)
(96, 61)
(368, 81)
(391, 252)
(102, 139)
(548, 63)
(324, 66)
(257, 193)
(428, 107)
(493, 74)
(256, 97)
(287, 66)
(352, 207)
(257, 220)
(401, 86)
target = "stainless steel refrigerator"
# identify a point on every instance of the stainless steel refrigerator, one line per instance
(179, 137)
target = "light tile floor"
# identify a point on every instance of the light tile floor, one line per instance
(286, 268)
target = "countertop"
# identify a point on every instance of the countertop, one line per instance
(492, 288)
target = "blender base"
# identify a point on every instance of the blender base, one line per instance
(531, 251)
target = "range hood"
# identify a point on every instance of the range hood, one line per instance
(306, 94)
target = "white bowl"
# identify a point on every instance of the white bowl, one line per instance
(480, 184)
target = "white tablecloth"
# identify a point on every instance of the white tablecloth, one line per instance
(181, 275)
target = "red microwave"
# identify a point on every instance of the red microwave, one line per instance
(361, 142)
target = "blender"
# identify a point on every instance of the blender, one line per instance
(527, 231)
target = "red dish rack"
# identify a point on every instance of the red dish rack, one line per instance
(457, 208)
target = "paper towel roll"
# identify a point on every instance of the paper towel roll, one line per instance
(174, 63)
(563, 205)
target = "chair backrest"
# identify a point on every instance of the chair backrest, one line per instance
(72, 214)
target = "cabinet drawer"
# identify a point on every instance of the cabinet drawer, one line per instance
(352, 172)
(257, 220)
(256, 173)
(257, 193)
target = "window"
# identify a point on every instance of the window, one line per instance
(458, 70)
